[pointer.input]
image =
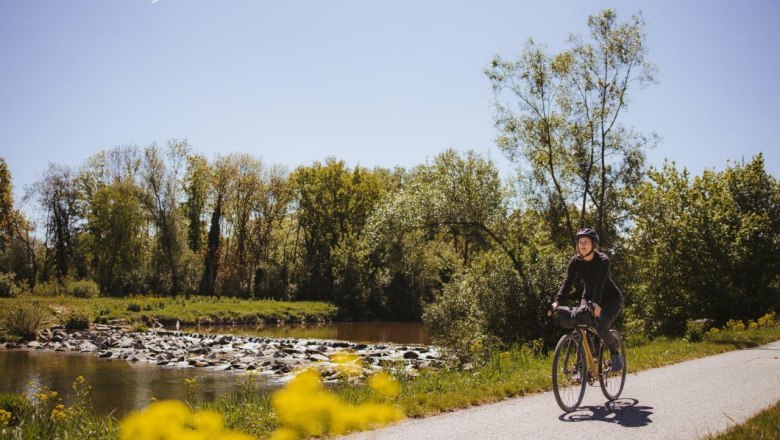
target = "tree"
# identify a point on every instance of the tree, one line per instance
(161, 198)
(115, 224)
(59, 196)
(706, 247)
(6, 206)
(223, 174)
(196, 181)
(332, 203)
(566, 125)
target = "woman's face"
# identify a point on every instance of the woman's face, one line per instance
(584, 246)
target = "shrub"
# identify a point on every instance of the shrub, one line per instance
(694, 330)
(16, 405)
(49, 288)
(768, 320)
(24, 321)
(83, 289)
(735, 325)
(8, 286)
(76, 320)
(134, 307)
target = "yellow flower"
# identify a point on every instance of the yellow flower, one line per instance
(306, 409)
(5, 418)
(173, 420)
(384, 385)
(347, 363)
(59, 413)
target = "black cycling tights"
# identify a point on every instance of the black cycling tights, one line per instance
(609, 312)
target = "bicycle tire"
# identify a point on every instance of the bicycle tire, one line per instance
(612, 383)
(567, 361)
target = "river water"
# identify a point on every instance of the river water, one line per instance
(119, 386)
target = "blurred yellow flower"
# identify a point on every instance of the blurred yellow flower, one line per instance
(5, 418)
(173, 420)
(384, 385)
(347, 363)
(306, 409)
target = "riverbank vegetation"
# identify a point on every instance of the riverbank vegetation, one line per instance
(517, 371)
(21, 316)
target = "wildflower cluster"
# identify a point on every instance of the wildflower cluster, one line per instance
(306, 409)
(173, 420)
(769, 320)
(5, 418)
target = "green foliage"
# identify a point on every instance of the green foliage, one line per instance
(333, 204)
(694, 330)
(23, 320)
(83, 289)
(707, 247)
(8, 286)
(564, 124)
(49, 288)
(76, 319)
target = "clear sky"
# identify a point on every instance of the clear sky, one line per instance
(374, 83)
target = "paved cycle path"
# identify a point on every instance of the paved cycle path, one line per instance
(682, 401)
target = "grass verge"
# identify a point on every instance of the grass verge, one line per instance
(763, 426)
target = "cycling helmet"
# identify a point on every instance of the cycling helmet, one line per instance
(590, 233)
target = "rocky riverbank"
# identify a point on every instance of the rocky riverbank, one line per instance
(227, 352)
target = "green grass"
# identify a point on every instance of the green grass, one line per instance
(764, 425)
(196, 310)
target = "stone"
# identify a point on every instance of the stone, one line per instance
(411, 355)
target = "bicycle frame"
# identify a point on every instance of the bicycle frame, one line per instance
(586, 347)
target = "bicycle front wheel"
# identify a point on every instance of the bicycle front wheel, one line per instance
(612, 381)
(568, 373)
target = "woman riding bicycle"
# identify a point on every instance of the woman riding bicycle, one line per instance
(593, 268)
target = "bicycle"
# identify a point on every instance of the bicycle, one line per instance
(575, 361)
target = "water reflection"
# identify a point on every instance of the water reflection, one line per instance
(366, 332)
(117, 385)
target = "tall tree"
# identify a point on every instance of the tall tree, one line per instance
(223, 175)
(162, 195)
(566, 124)
(6, 205)
(58, 195)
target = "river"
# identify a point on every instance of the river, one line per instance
(119, 386)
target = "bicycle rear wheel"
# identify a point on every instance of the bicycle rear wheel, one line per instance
(569, 373)
(612, 381)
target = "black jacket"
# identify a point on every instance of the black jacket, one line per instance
(599, 286)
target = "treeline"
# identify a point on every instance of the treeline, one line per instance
(447, 241)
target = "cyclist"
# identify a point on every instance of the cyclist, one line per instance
(592, 267)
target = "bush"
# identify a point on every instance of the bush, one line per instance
(24, 321)
(84, 289)
(15, 404)
(134, 307)
(49, 288)
(76, 320)
(489, 308)
(8, 286)
(694, 330)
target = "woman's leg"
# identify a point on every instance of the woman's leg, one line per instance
(609, 312)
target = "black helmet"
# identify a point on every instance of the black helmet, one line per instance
(590, 233)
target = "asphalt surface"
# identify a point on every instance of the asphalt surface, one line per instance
(682, 401)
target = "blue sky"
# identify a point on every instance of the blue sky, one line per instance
(373, 83)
